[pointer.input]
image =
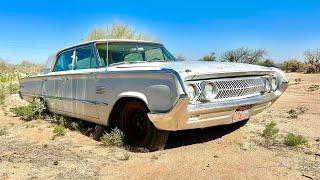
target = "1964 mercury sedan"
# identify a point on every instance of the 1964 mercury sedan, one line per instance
(139, 87)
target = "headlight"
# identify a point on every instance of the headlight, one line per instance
(191, 90)
(274, 84)
(267, 86)
(209, 91)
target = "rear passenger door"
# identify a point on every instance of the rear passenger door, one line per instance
(80, 86)
(54, 83)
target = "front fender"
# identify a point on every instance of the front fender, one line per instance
(132, 94)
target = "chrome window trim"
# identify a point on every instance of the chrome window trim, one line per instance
(93, 48)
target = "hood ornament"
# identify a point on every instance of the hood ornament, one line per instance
(187, 70)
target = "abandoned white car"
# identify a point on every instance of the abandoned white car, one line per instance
(139, 87)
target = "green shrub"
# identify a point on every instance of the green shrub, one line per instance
(2, 97)
(293, 66)
(25, 112)
(3, 132)
(36, 109)
(125, 156)
(115, 138)
(13, 88)
(294, 140)
(270, 130)
(59, 131)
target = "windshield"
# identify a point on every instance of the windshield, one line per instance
(128, 52)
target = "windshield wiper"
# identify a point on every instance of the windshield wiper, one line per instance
(126, 62)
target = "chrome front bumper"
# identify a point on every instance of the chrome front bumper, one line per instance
(190, 116)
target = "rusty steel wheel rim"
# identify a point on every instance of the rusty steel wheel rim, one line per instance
(135, 122)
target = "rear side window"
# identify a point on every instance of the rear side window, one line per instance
(85, 58)
(64, 61)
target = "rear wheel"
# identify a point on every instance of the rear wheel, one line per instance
(138, 129)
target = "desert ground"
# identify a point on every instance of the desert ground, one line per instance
(239, 151)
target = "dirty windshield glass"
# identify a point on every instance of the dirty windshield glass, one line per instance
(132, 52)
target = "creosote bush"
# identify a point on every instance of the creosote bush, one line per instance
(297, 80)
(36, 109)
(270, 130)
(2, 97)
(314, 87)
(294, 140)
(59, 131)
(115, 138)
(125, 156)
(293, 66)
(3, 132)
(294, 113)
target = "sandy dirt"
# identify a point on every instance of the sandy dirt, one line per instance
(28, 151)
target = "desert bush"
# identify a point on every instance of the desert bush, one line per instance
(293, 114)
(294, 140)
(115, 138)
(125, 156)
(2, 97)
(244, 55)
(302, 109)
(116, 30)
(59, 131)
(310, 68)
(293, 66)
(270, 130)
(267, 63)
(297, 80)
(312, 59)
(36, 109)
(24, 68)
(314, 87)
(210, 57)
(13, 88)
(180, 57)
(3, 131)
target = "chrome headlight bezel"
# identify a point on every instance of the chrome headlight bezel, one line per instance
(267, 85)
(191, 91)
(274, 83)
(208, 91)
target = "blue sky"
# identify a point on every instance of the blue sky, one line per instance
(33, 29)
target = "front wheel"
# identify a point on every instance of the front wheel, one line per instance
(138, 129)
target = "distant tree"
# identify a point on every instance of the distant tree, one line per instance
(312, 56)
(255, 56)
(210, 57)
(116, 30)
(312, 60)
(235, 55)
(244, 55)
(267, 63)
(180, 57)
(96, 33)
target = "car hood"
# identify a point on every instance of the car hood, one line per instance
(200, 69)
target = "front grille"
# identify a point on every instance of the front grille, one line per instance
(232, 88)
